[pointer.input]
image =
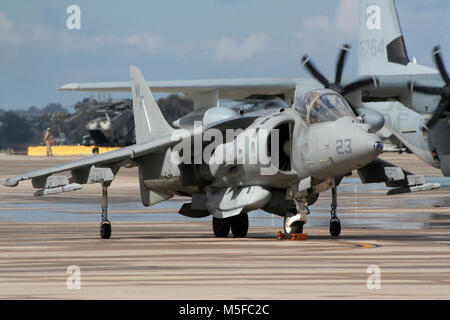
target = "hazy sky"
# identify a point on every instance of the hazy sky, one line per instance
(179, 39)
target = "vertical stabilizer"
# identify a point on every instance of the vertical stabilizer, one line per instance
(149, 122)
(382, 49)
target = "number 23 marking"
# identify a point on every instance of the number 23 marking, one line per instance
(344, 146)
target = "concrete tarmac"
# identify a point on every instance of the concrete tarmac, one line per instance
(406, 237)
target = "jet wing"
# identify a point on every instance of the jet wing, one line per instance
(228, 88)
(115, 158)
(390, 86)
(90, 170)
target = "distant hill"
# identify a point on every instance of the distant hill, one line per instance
(35, 112)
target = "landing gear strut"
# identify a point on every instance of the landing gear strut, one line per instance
(105, 225)
(294, 223)
(335, 223)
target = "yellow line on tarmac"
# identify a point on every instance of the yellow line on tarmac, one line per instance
(360, 245)
(67, 150)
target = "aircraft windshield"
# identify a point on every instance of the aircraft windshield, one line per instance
(322, 106)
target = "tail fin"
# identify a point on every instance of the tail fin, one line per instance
(382, 49)
(149, 122)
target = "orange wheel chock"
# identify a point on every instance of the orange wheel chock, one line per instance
(295, 236)
(280, 235)
(299, 236)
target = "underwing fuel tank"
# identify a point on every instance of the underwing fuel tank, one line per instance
(61, 189)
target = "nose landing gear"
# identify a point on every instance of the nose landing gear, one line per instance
(335, 223)
(293, 224)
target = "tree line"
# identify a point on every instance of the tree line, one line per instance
(21, 128)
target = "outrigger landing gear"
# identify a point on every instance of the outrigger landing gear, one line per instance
(105, 225)
(335, 223)
(294, 223)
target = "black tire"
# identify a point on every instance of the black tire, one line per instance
(239, 225)
(335, 228)
(105, 230)
(296, 227)
(221, 227)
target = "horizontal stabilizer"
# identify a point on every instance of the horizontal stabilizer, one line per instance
(394, 177)
(423, 187)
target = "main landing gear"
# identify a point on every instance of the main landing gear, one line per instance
(105, 225)
(238, 225)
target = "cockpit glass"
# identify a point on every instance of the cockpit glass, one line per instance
(316, 107)
(302, 103)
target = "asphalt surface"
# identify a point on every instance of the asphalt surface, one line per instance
(154, 253)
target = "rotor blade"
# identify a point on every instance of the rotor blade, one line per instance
(360, 83)
(437, 113)
(314, 72)
(440, 65)
(340, 63)
(436, 91)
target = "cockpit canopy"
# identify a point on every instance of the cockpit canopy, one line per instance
(322, 106)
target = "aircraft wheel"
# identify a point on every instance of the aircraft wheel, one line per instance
(105, 230)
(221, 227)
(295, 227)
(239, 225)
(335, 227)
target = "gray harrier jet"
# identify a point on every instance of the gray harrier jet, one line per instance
(424, 129)
(232, 162)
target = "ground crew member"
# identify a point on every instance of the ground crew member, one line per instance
(48, 142)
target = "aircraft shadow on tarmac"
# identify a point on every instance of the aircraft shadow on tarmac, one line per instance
(422, 237)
